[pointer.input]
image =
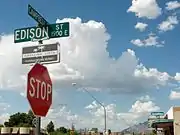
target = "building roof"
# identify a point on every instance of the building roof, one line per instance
(160, 123)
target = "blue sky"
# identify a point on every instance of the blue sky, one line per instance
(120, 25)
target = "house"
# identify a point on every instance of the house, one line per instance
(170, 124)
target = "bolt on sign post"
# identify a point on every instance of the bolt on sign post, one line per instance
(39, 85)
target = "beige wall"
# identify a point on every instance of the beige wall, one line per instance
(115, 133)
(176, 115)
(16, 130)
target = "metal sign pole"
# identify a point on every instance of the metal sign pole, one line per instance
(38, 124)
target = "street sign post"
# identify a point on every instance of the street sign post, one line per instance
(36, 16)
(39, 90)
(45, 54)
(39, 87)
(49, 31)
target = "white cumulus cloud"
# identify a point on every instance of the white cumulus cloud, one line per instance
(174, 95)
(177, 77)
(171, 5)
(144, 107)
(4, 117)
(145, 8)
(141, 71)
(141, 26)
(84, 60)
(169, 24)
(139, 110)
(152, 40)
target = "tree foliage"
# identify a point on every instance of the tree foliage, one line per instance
(20, 120)
(62, 130)
(50, 127)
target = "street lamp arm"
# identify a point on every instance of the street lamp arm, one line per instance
(74, 84)
(94, 98)
(99, 104)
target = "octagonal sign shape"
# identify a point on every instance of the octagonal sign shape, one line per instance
(39, 90)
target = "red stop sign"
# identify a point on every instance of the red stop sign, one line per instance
(39, 90)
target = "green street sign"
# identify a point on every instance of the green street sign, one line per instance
(48, 31)
(157, 113)
(36, 16)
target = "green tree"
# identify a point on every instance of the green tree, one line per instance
(30, 117)
(62, 130)
(50, 127)
(6, 124)
(68, 131)
(76, 133)
(1, 125)
(20, 120)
